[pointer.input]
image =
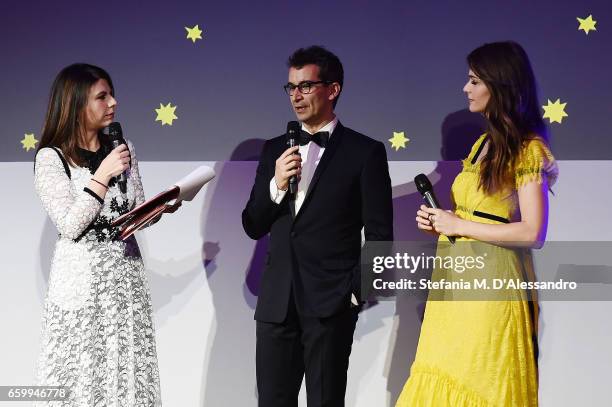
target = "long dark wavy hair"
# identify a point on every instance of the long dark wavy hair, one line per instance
(512, 113)
(64, 120)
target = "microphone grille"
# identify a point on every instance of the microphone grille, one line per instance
(114, 131)
(422, 183)
(293, 127)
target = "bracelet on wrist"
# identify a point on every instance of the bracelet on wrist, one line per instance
(99, 183)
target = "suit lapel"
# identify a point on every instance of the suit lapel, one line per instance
(330, 150)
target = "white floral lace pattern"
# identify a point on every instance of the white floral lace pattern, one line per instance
(98, 338)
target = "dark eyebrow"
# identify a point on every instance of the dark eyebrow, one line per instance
(306, 81)
(473, 77)
(102, 93)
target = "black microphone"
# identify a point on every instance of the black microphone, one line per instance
(115, 134)
(426, 189)
(293, 129)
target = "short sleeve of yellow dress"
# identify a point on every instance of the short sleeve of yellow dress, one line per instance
(482, 350)
(536, 164)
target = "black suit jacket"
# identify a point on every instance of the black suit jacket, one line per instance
(317, 252)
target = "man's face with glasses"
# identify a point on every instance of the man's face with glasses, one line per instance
(311, 99)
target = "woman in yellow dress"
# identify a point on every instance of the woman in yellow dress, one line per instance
(483, 352)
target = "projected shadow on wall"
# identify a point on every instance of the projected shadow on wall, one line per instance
(459, 131)
(233, 265)
(170, 293)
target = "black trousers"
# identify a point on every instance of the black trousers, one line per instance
(318, 348)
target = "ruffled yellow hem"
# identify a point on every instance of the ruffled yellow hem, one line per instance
(429, 387)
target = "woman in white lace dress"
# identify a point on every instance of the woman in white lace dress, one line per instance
(97, 337)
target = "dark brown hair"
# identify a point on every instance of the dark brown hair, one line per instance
(512, 113)
(330, 67)
(67, 102)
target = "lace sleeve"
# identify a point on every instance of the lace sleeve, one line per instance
(536, 164)
(70, 212)
(135, 175)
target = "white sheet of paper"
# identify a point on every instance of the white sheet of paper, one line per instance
(191, 184)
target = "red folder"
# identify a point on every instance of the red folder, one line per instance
(146, 213)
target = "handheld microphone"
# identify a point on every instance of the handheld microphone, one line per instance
(116, 136)
(293, 129)
(426, 189)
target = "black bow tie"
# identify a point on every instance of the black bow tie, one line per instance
(321, 138)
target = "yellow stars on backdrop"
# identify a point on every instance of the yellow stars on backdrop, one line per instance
(586, 24)
(398, 140)
(165, 114)
(555, 112)
(194, 33)
(29, 142)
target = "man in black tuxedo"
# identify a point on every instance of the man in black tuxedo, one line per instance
(309, 294)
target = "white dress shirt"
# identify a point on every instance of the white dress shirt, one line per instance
(308, 168)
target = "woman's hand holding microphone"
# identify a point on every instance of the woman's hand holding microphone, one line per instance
(115, 163)
(438, 221)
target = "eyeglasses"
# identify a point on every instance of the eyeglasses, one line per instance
(304, 87)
